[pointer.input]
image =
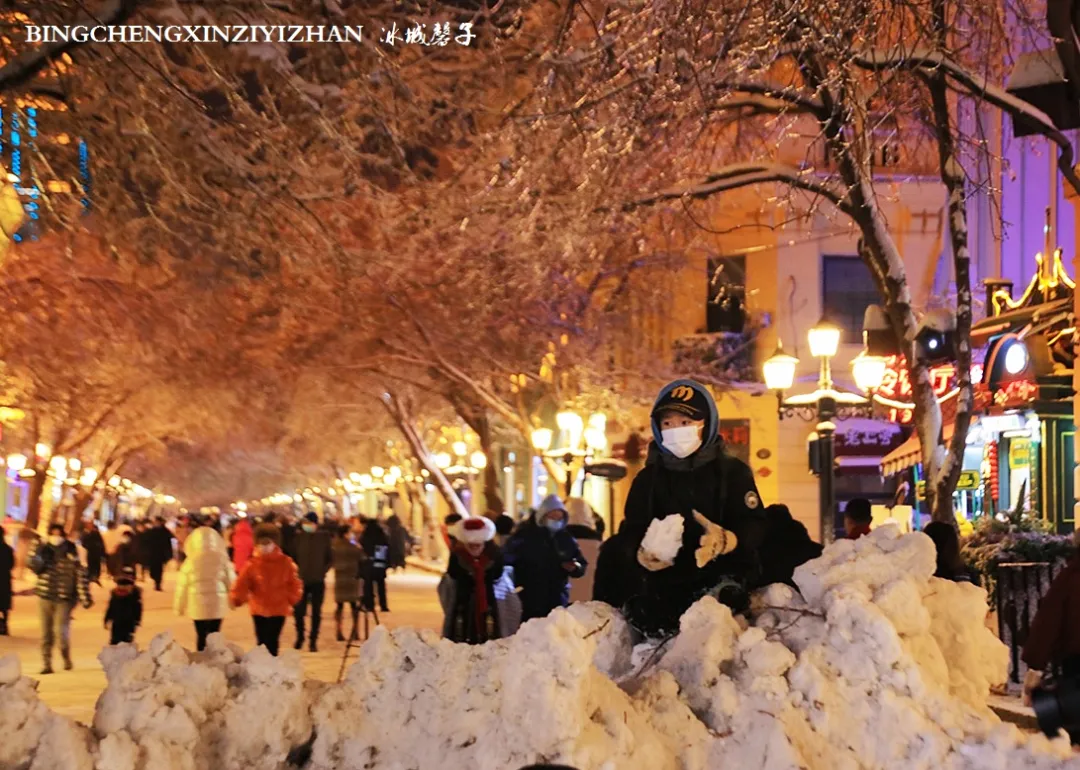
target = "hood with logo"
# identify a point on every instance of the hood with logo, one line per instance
(688, 392)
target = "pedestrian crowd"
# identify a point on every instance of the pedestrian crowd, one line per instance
(277, 567)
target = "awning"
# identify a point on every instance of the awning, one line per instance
(909, 453)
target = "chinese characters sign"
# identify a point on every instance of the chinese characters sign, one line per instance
(1016, 393)
(895, 391)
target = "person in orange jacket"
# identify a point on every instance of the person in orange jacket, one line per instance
(270, 583)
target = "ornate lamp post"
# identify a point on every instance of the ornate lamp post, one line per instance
(824, 405)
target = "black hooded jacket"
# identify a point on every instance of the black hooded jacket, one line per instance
(710, 481)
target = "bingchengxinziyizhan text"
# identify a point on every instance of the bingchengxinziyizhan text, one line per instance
(438, 34)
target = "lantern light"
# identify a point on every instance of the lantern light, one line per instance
(779, 370)
(478, 460)
(868, 371)
(824, 339)
(16, 462)
(541, 439)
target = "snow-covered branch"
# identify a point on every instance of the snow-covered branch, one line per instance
(980, 87)
(745, 174)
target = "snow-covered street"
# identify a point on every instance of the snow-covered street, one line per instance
(412, 602)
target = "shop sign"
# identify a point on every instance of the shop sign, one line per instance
(968, 482)
(1019, 453)
(869, 443)
(1016, 393)
(895, 392)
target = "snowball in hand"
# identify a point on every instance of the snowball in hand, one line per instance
(664, 538)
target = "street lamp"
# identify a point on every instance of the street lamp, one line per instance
(478, 460)
(823, 405)
(16, 462)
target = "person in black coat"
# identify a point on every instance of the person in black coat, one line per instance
(126, 555)
(7, 564)
(376, 546)
(688, 472)
(950, 563)
(94, 546)
(125, 608)
(158, 549)
(787, 545)
(475, 565)
(544, 557)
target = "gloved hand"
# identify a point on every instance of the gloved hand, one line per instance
(647, 560)
(1032, 679)
(104, 624)
(716, 541)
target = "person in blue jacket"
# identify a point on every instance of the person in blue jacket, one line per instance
(688, 472)
(544, 557)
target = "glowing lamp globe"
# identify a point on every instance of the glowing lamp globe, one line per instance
(595, 439)
(569, 421)
(869, 371)
(779, 370)
(478, 460)
(541, 439)
(1016, 358)
(443, 460)
(824, 339)
(16, 462)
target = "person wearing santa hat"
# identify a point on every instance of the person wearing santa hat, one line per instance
(475, 565)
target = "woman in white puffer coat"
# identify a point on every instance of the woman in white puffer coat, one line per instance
(203, 583)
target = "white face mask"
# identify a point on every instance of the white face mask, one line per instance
(56, 540)
(683, 441)
(554, 524)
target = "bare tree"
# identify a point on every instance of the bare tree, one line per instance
(720, 92)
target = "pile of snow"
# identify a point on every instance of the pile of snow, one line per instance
(873, 663)
(664, 538)
(35, 738)
(170, 709)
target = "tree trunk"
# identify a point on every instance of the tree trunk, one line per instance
(881, 254)
(399, 412)
(79, 504)
(942, 476)
(476, 417)
(37, 490)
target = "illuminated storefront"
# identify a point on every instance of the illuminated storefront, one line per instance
(1020, 448)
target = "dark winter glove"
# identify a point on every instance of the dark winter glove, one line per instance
(105, 623)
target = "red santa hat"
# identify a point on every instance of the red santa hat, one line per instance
(478, 529)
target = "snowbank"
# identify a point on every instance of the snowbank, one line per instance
(873, 663)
